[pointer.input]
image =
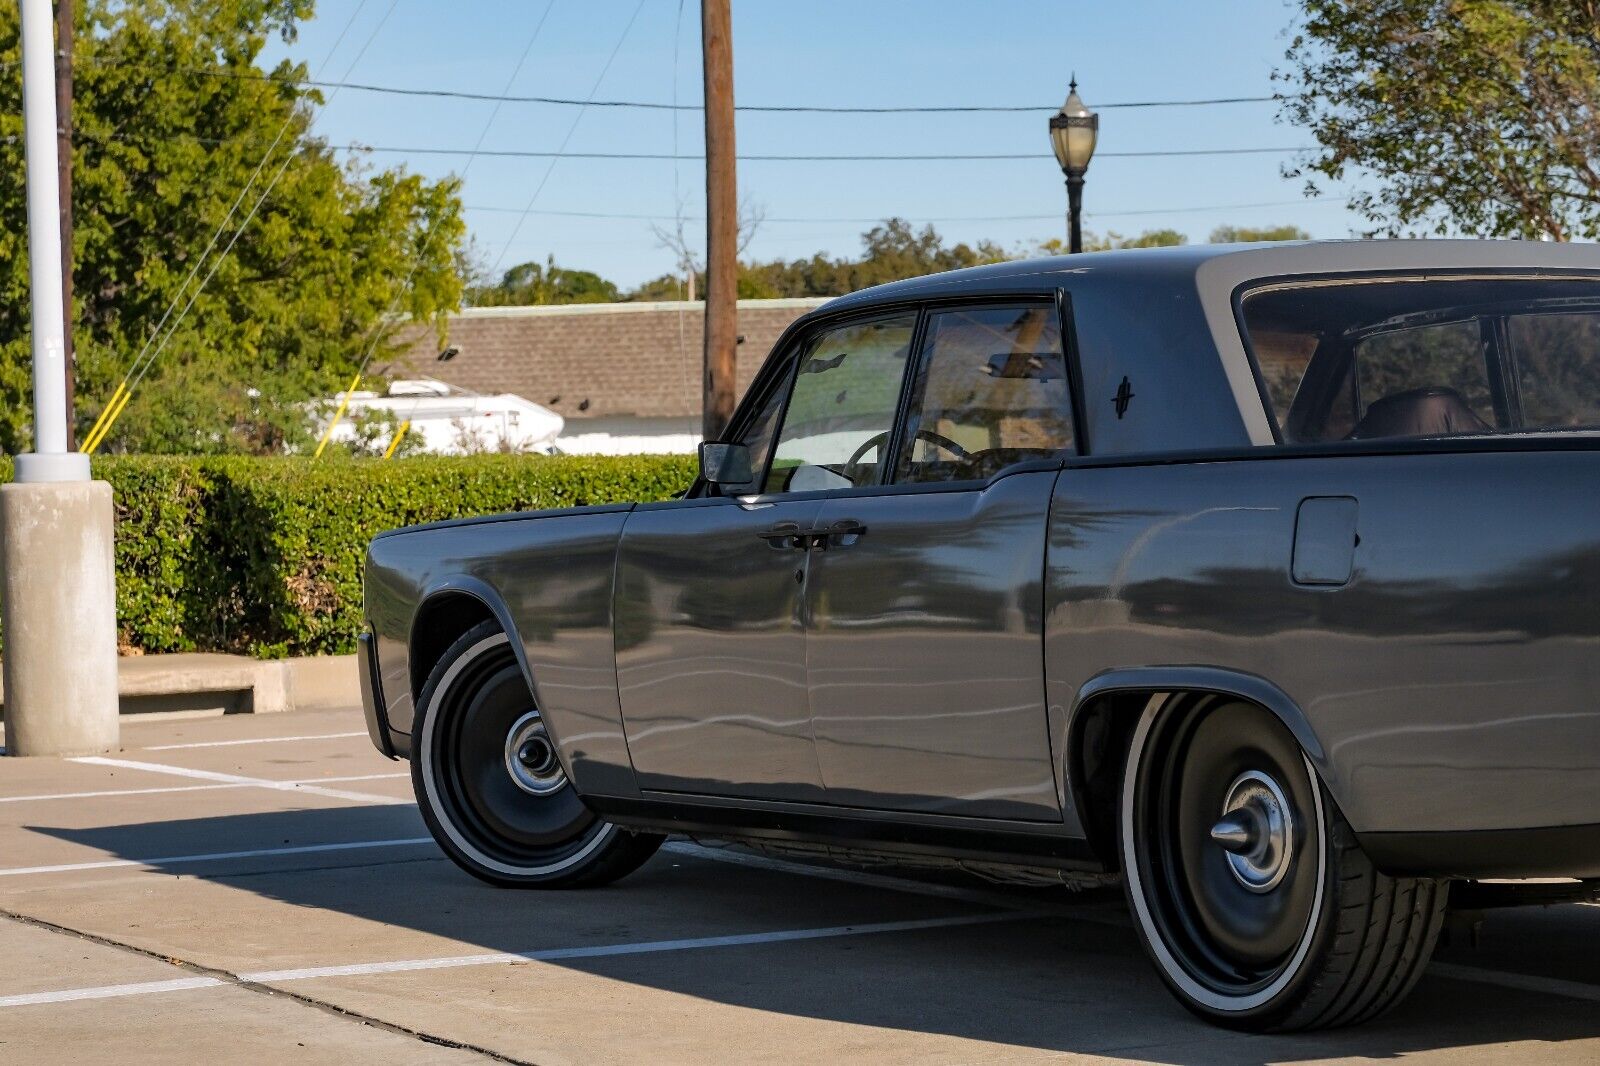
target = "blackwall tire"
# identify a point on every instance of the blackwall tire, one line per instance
(1286, 926)
(489, 784)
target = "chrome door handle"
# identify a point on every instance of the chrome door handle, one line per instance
(821, 538)
(785, 531)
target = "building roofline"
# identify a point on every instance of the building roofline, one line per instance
(635, 307)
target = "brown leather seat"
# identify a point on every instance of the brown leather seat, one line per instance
(1427, 412)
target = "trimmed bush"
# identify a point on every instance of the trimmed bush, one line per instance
(264, 555)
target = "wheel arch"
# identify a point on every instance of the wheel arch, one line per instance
(1107, 710)
(448, 609)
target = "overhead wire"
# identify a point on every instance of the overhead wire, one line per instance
(573, 128)
(869, 219)
(376, 332)
(147, 356)
(655, 105)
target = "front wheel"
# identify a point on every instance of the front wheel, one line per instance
(1248, 887)
(490, 785)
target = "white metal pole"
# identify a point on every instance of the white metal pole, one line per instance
(50, 460)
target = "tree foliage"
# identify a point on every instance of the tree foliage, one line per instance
(1256, 234)
(1476, 117)
(171, 117)
(535, 283)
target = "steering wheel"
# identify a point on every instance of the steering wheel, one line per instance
(878, 440)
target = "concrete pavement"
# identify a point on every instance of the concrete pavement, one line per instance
(217, 892)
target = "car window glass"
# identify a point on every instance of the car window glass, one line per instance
(1373, 358)
(991, 390)
(842, 407)
(1446, 361)
(1558, 369)
(757, 437)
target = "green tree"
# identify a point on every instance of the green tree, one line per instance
(892, 250)
(1471, 116)
(1254, 234)
(171, 117)
(534, 283)
(1150, 238)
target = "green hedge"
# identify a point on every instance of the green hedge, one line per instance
(264, 555)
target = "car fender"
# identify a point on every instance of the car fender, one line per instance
(1156, 682)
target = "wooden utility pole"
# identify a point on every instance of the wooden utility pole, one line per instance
(64, 15)
(722, 219)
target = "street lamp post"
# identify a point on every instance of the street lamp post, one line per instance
(1073, 131)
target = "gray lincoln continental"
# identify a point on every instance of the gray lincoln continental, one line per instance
(1263, 578)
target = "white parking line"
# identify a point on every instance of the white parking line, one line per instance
(1522, 982)
(73, 995)
(236, 779)
(500, 958)
(190, 788)
(252, 740)
(213, 856)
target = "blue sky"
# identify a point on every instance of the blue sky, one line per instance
(830, 52)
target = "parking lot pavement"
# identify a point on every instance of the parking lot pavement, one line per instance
(260, 888)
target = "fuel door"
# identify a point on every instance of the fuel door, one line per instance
(1325, 540)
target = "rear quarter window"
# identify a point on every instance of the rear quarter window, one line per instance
(1379, 358)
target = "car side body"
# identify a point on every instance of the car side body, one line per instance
(953, 671)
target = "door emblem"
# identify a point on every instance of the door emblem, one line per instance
(1121, 399)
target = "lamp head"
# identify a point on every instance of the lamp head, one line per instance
(1073, 132)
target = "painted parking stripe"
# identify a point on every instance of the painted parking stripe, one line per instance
(500, 958)
(1521, 982)
(189, 788)
(213, 856)
(251, 740)
(646, 948)
(143, 988)
(235, 779)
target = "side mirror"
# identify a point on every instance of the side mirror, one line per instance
(725, 464)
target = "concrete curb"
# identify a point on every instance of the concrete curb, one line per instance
(234, 683)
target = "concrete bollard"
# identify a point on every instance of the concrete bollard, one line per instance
(58, 598)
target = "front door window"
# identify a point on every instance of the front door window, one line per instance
(837, 425)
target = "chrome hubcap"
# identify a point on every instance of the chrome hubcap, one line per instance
(1257, 831)
(531, 757)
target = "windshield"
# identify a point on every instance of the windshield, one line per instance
(1385, 358)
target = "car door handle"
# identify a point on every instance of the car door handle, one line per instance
(785, 531)
(821, 538)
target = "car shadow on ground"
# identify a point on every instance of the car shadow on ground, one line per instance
(1059, 984)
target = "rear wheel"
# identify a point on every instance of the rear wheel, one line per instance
(491, 786)
(1247, 885)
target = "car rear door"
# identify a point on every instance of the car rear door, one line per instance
(925, 630)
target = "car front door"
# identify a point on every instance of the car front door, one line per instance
(710, 592)
(925, 602)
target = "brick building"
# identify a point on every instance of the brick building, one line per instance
(626, 377)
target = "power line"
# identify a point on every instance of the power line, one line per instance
(654, 105)
(508, 153)
(147, 356)
(376, 334)
(869, 219)
(761, 158)
(573, 128)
